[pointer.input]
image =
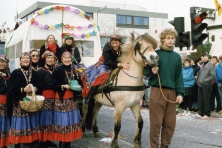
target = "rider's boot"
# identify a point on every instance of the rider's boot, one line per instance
(91, 93)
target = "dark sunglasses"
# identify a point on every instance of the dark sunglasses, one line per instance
(35, 55)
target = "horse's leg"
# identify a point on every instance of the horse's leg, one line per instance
(84, 113)
(117, 126)
(94, 122)
(137, 137)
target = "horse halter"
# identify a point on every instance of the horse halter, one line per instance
(137, 48)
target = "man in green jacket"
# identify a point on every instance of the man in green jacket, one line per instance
(163, 100)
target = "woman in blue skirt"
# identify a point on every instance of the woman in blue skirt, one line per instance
(24, 125)
(46, 89)
(67, 125)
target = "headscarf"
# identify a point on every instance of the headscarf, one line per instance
(6, 59)
(48, 53)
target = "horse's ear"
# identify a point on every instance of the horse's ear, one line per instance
(134, 35)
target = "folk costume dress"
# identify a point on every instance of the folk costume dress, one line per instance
(24, 125)
(67, 125)
(51, 47)
(74, 51)
(4, 120)
(96, 74)
(46, 89)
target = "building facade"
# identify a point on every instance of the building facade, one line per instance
(114, 18)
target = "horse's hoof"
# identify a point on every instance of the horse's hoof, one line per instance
(114, 145)
(97, 135)
(137, 145)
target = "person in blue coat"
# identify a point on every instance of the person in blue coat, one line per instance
(188, 80)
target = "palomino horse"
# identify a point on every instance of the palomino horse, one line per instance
(137, 51)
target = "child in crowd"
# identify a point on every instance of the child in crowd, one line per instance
(188, 79)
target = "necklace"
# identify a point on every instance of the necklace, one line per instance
(3, 75)
(49, 69)
(69, 78)
(25, 73)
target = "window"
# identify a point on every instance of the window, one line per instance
(123, 19)
(140, 20)
(132, 21)
(104, 40)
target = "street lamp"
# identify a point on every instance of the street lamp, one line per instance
(102, 8)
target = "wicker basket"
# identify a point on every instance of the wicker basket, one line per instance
(34, 104)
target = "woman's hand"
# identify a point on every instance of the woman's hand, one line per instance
(66, 86)
(124, 65)
(27, 89)
(155, 70)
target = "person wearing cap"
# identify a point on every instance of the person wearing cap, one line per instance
(66, 116)
(46, 89)
(50, 45)
(34, 53)
(69, 46)
(24, 125)
(96, 74)
(4, 120)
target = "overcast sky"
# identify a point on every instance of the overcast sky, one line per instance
(174, 8)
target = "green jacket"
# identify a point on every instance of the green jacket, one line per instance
(170, 72)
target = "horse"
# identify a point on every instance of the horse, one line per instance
(138, 51)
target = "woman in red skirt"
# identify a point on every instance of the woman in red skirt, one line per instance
(4, 120)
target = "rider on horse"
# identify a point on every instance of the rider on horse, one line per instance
(96, 74)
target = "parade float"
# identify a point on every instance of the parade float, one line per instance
(57, 20)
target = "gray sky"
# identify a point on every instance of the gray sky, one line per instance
(174, 8)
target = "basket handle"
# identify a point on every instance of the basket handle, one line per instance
(33, 93)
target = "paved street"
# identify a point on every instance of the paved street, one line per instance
(190, 132)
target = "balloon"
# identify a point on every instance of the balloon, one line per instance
(62, 8)
(61, 24)
(98, 27)
(79, 27)
(67, 8)
(83, 35)
(46, 27)
(46, 11)
(81, 13)
(51, 9)
(40, 12)
(78, 36)
(73, 10)
(90, 26)
(41, 26)
(32, 20)
(87, 17)
(36, 23)
(52, 27)
(66, 26)
(77, 11)
(57, 7)
(88, 35)
(57, 26)
(94, 24)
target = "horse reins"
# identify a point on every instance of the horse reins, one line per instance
(162, 90)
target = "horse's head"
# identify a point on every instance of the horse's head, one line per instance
(145, 45)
